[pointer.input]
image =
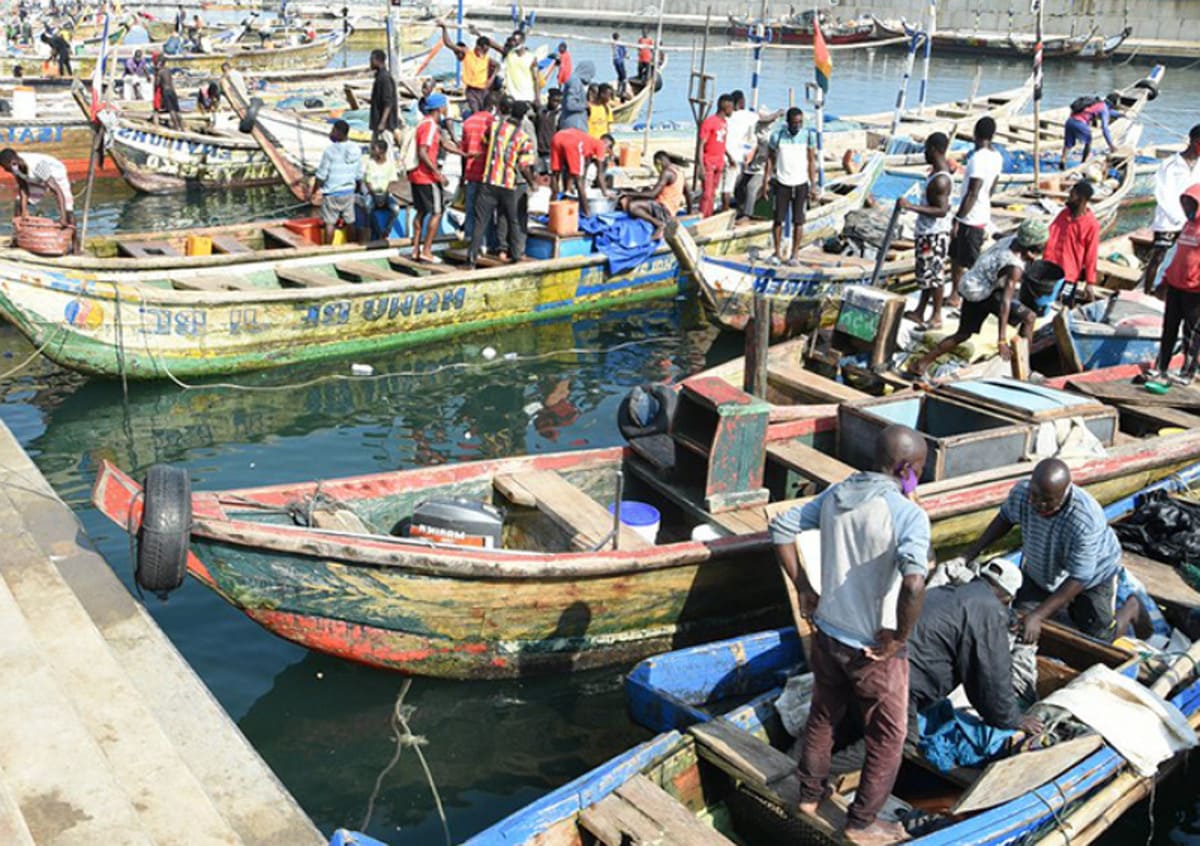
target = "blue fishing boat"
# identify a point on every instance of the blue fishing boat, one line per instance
(720, 771)
(1123, 329)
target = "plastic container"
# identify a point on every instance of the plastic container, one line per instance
(642, 517)
(340, 236)
(705, 532)
(308, 228)
(629, 156)
(42, 236)
(24, 103)
(1040, 284)
(197, 245)
(564, 217)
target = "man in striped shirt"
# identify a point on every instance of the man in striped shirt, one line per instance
(510, 149)
(1070, 555)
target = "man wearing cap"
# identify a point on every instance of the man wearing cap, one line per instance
(1070, 555)
(427, 179)
(990, 288)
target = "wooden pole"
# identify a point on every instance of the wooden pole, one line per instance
(758, 341)
(930, 29)
(760, 36)
(1037, 99)
(700, 100)
(652, 81)
(97, 151)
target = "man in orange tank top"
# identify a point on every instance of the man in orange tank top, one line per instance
(478, 68)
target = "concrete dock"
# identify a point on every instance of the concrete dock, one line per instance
(107, 735)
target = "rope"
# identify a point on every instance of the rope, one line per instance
(15, 370)
(404, 737)
(1059, 822)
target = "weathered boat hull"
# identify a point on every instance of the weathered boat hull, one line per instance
(783, 33)
(156, 160)
(68, 139)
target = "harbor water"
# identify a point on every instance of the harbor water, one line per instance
(323, 724)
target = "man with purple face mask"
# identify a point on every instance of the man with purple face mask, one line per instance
(1070, 555)
(875, 551)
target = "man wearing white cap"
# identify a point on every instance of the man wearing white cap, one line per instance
(961, 637)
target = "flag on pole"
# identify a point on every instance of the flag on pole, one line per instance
(1036, 7)
(822, 61)
(101, 68)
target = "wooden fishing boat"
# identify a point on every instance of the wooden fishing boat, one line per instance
(1122, 329)
(799, 30)
(998, 43)
(557, 584)
(627, 111)
(1101, 48)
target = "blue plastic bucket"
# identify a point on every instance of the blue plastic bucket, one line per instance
(642, 517)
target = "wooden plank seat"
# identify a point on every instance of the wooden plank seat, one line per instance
(810, 463)
(281, 236)
(361, 271)
(229, 245)
(639, 811)
(797, 381)
(210, 282)
(586, 521)
(405, 264)
(145, 249)
(459, 256)
(299, 277)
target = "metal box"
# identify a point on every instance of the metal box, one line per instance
(961, 438)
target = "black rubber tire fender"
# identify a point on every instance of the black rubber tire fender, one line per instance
(667, 398)
(246, 124)
(1150, 85)
(166, 529)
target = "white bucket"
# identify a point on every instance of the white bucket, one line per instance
(24, 103)
(642, 517)
(706, 532)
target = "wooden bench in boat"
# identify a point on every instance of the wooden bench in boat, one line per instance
(810, 463)
(281, 236)
(361, 271)
(210, 282)
(145, 249)
(298, 277)
(797, 381)
(585, 520)
(460, 257)
(404, 264)
(229, 245)
(639, 811)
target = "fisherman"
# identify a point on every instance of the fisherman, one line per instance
(875, 549)
(378, 174)
(38, 175)
(180, 19)
(166, 101)
(208, 98)
(60, 50)
(600, 112)
(510, 149)
(336, 176)
(1085, 111)
(645, 54)
(931, 235)
(521, 73)
(476, 130)
(545, 125)
(235, 77)
(574, 112)
(136, 75)
(990, 288)
(571, 151)
(714, 155)
(741, 138)
(1069, 553)
(1174, 176)
(662, 203)
(384, 117)
(478, 68)
(974, 214)
(791, 168)
(564, 62)
(1074, 244)
(428, 180)
(619, 56)
(1181, 281)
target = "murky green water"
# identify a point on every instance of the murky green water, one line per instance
(322, 724)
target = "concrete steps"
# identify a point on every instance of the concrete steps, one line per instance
(106, 734)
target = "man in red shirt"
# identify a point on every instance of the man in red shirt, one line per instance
(570, 152)
(713, 154)
(565, 64)
(645, 54)
(475, 131)
(1074, 243)
(427, 179)
(1182, 281)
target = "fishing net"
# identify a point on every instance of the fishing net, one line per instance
(1166, 529)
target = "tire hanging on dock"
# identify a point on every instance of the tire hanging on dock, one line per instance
(1150, 85)
(647, 410)
(166, 530)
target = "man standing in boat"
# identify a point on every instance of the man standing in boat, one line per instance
(714, 154)
(478, 68)
(1175, 175)
(427, 179)
(384, 118)
(791, 168)
(166, 101)
(974, 215)
(932, 232)
(875, 550)
(1070, 555)
(38, 175)
(510, 150)
(337, 176)
(1074, 244)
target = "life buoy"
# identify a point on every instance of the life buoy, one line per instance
(1150, 85)
(166, 529)
(246, 124)
(665, 397)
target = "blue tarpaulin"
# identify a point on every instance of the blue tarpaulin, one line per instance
(951, 739)
(624, 240)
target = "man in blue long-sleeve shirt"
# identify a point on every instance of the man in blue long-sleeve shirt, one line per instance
(1079, 126)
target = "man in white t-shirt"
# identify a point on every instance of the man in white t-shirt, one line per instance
(741, 142)
(1175, 175)
(38, 176)
(974, 215)
(791, 167)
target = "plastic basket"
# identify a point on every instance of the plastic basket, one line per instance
(42, 236)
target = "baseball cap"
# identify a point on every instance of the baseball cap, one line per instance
(1004, 574)
(1032, 234)
(435, 100)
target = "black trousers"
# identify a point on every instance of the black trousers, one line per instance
(492, 198)
(1091, 611)
(1181, 307)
